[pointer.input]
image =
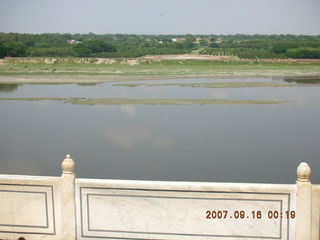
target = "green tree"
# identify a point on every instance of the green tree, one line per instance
(98, 46)
(83, 52)
(213, 39)
(3, 50)
(16, 49)
(90, 47)
(188, 42)
(214, 45)
(52, 52)
(310, 53)
(203, 43)
(283, 47)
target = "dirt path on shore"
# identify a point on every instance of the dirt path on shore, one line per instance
(134, 61)
(186, 57)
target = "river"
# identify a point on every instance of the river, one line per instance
(261, 143)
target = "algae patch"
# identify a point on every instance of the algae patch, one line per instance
(146, 101)
(208, 85)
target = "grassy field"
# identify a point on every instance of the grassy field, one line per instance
(33, 70)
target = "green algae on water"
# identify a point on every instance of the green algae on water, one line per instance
(146, 101)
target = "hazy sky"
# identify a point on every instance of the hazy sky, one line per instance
(161, 16)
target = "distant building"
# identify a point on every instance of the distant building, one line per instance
(219, 40)
(178, 39)
(73, 41)
(197, 40)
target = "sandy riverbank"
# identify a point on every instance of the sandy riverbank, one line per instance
(65, 70)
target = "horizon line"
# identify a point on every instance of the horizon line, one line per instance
(159, 34)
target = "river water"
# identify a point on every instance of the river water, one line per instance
(261, 143)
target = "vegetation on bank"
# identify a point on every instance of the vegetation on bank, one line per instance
(131, 45)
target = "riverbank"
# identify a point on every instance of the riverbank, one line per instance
(86, 70)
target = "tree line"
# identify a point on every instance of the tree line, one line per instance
(131, 45)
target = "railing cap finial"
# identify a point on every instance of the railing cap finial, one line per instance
(304, 172)
(68, 165)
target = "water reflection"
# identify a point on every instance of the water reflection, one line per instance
(8, 88)
(129, 109)
(303, 80)
(87, 84)
(127, 139)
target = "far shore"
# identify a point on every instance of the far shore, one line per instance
(77, 70)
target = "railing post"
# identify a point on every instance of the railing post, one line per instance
(68, 209)
(304, 202)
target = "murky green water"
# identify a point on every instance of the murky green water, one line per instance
(210, 142)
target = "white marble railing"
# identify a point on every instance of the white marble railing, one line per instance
(67, 208)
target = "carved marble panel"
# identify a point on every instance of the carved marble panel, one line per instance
(27, 209)
(147, 213)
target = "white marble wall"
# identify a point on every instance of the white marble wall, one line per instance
(29, 207)
(315, 227)
(168, 210)
(66, 208)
